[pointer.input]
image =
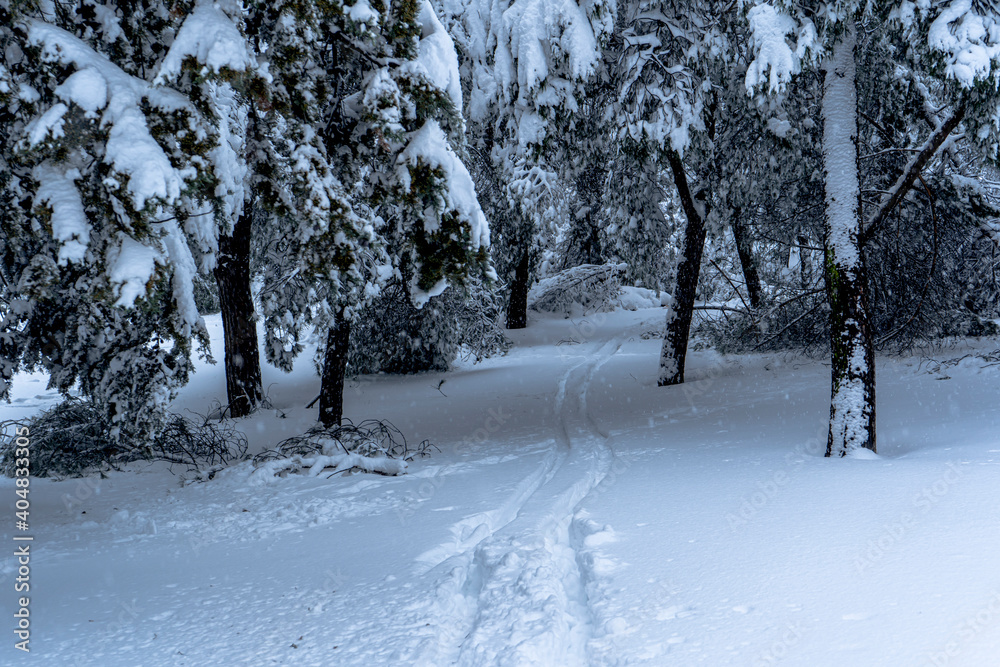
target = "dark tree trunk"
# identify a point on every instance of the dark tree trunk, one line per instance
(517, 307)
(745, 250)
(331, 397)
(232, 275)
(852, 407)
(805, 263)
(675, 341)
(589, 188)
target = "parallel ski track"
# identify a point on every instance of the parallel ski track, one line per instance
(511, 590)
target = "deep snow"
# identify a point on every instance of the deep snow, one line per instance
(576, 514)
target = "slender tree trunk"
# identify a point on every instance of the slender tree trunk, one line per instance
(805, 263)
(590, 187)
(675, 340)
(232, 275)
(745, 250)
(331, 396)
(852, 405)
(517, 307)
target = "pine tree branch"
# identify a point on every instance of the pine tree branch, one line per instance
(911, 172)
(888, 151)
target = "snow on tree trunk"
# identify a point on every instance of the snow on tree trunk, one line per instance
(232, 275)
(517, 309)
(852, 405)
(331, 396)
(675, 339)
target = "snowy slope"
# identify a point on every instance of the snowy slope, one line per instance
(576, 514)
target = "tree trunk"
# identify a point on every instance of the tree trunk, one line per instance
(681, 311)
(852, 405)
(589, 188)
(805, 263)
(745, 250)
(517, 307)
(232, 275)
(331, 396)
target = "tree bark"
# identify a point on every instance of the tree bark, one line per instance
(517, 307)
(331, 396)
(675, 340)
(852, 403)
(242, 357)
(744, 249)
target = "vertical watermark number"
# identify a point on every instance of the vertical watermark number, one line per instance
(22, 542)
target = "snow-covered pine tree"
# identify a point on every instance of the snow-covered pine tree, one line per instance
(391, 335)
(673, 59)
(212, 61)
(528, 65)
(585, 156)
(951, 53)
(107, 185)
(639, 209)
(372, 104)
(767, 180)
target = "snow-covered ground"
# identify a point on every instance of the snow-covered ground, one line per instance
(576, 514)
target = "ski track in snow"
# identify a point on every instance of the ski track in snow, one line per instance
(494, 553)
(515, 588)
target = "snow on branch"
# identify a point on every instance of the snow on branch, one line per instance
(370, 446)
(212, 38)
(124, 111)
(776, 61)
(57, 190)
(437, 56)
(429, 146)
(912, 170)
(969, 42)
(595, 288)
(534, 34)
(132, 266)
(312, 466)
(545, 48)
(100, 85)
